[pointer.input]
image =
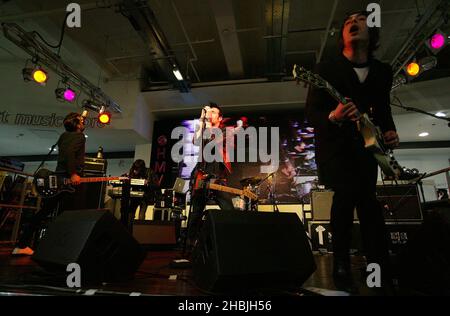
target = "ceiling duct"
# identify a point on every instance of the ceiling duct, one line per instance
(144, 22)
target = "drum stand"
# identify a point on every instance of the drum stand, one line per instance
(272, 196)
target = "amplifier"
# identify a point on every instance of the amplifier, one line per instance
(95, 165)
(321, 202)
(399, 202)
(13, 164)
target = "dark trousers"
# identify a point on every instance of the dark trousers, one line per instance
(353, 179)
(53, 206)
(373, 233)
(128, 211)
(199, 200)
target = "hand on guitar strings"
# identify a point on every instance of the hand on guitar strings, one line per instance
(75, 179)
(391, 139)
(347, 111)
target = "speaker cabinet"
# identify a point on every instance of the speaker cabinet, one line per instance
(154, 233)
(424, 264)
(399, 202)
(95, 240)
(321, 202)
(95, 195)
(244, 251)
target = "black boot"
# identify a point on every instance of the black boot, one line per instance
(342, 276)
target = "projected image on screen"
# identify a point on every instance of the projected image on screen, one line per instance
(291, 183)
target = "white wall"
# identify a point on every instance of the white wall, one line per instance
(427, 160)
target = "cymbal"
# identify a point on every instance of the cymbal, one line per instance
(251, 180)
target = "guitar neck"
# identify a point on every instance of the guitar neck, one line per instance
(223, 188)
(335, 94)
(99, 179)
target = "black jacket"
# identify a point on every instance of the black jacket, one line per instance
(71, 152)
(338, 145)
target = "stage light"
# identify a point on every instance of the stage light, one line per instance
(437, 41)
(177, 74)
(65, 94)
(104, 117)
(37, 75)
(413, 69)
(90, 105)
(424, 134)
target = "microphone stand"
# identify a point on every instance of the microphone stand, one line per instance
(271, 192)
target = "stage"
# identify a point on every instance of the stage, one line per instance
(157, 277)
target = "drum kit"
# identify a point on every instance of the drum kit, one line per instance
(252, 184)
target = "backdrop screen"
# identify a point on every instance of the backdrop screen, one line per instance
(290, 182)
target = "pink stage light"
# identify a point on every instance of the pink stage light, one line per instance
(69, 95)
(437, 41)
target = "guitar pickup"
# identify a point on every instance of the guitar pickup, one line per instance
(52, 182)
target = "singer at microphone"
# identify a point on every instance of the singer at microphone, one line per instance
(217, 166)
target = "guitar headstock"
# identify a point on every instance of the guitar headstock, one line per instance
(301, 74)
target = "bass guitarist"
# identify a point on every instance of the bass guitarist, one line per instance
(71, 151)
(344, 165)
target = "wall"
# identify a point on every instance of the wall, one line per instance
(427, 160)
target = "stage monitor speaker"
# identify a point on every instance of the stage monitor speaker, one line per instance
(95, 240)
(424, 264)
(246, 251)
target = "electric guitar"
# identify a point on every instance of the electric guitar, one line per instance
(202, 181)
(372, 135)
(48, 184)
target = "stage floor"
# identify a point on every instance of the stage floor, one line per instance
(22, 276)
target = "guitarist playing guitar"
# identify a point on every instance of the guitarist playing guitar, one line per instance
(71, 151)
(344, 164)
(205, 170)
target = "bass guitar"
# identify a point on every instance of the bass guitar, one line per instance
(372, 135)
(48, 184)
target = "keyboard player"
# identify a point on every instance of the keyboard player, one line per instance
(139, 191)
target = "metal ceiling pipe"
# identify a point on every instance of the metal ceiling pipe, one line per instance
(188, 40)
(277, 18)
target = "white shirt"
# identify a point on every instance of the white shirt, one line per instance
(362, 73)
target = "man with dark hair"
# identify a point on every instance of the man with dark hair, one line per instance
(209, 122)
(344, 165)
(71, 151)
